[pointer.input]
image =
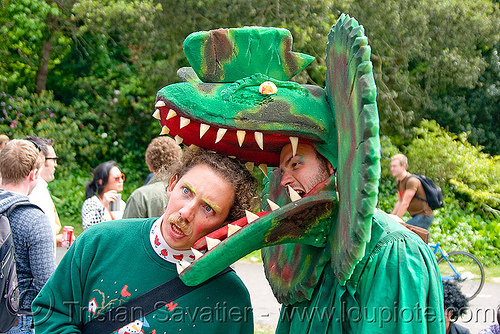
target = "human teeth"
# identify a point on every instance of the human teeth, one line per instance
(259, 138)
(273, 205)
(211, 242)
(156, 114)
(220, 133)
(181, 266)
(231, 229)
(197, 254)
(171, 114)
(263, 168)
(184, 121)
(241, 136)
(203, 129)
(164, 130)
(251, 217)
(294, 196)
(159, 104)
(178, 139)
(295, 143)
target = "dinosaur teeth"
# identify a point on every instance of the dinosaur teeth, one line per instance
(250, 166)
(241, 136)
(220, 133)
(272, 205)
(232, 229)
(251, 217)
(263, 168)
(181, 266)
(156, 114)
(159, 104)
(259, 139)
(197, 254)
(294, 196)
(295, 143)
(211, 242)
(184, 121)
(178, 139)
(164, 130)
(203, 129)
(171, 114)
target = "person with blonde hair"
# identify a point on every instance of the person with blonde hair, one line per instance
(411, 194)
(20, 164)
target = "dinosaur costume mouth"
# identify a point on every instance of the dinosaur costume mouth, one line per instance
(260, 147)
(221, 108)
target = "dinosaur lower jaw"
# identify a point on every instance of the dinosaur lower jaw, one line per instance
(259, 147)
(305, 221)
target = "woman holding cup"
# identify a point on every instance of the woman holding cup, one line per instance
(102, 195)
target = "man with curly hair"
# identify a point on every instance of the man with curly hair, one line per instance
(151, 199)
(114, 262)
(455, 304)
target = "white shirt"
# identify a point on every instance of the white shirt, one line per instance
(40, 196)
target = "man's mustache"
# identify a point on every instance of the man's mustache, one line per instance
(180, 222)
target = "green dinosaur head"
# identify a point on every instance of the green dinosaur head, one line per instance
(231, 111)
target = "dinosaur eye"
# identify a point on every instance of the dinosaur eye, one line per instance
(268, 88)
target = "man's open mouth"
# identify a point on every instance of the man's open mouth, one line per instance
(177, 229)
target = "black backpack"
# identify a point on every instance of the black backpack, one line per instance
(9, 294)
(9, 290)
(432, 192)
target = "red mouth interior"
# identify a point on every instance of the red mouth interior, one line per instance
(228, 145)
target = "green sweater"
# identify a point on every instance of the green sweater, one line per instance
(113, 262)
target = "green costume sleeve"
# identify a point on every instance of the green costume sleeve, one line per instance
(393, 291)
(388, 292)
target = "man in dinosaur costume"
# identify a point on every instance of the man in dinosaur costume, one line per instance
(335, 262)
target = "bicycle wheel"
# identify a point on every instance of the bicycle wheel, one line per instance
(466, 269)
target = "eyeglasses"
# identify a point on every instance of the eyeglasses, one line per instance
(120, 177)
(52, 158)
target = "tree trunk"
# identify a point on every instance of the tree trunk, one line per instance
(45, 51)
(43, 67)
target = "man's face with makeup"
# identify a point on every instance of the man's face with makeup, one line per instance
(199, 203)
(304, 170)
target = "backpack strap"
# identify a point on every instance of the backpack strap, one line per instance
(418, 197)
(17, 204)
(147, 303)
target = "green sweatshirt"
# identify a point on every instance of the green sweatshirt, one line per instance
(113, 262)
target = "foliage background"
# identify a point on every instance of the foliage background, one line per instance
(86, 72)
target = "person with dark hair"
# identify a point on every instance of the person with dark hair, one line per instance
(151, 199)
(107, 183)
(455, 304)
(495, 328)
(113, 263)
(40, 194)
(20, 164)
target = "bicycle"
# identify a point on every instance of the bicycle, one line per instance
(463, 267)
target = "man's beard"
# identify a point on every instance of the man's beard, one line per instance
(179, 223)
